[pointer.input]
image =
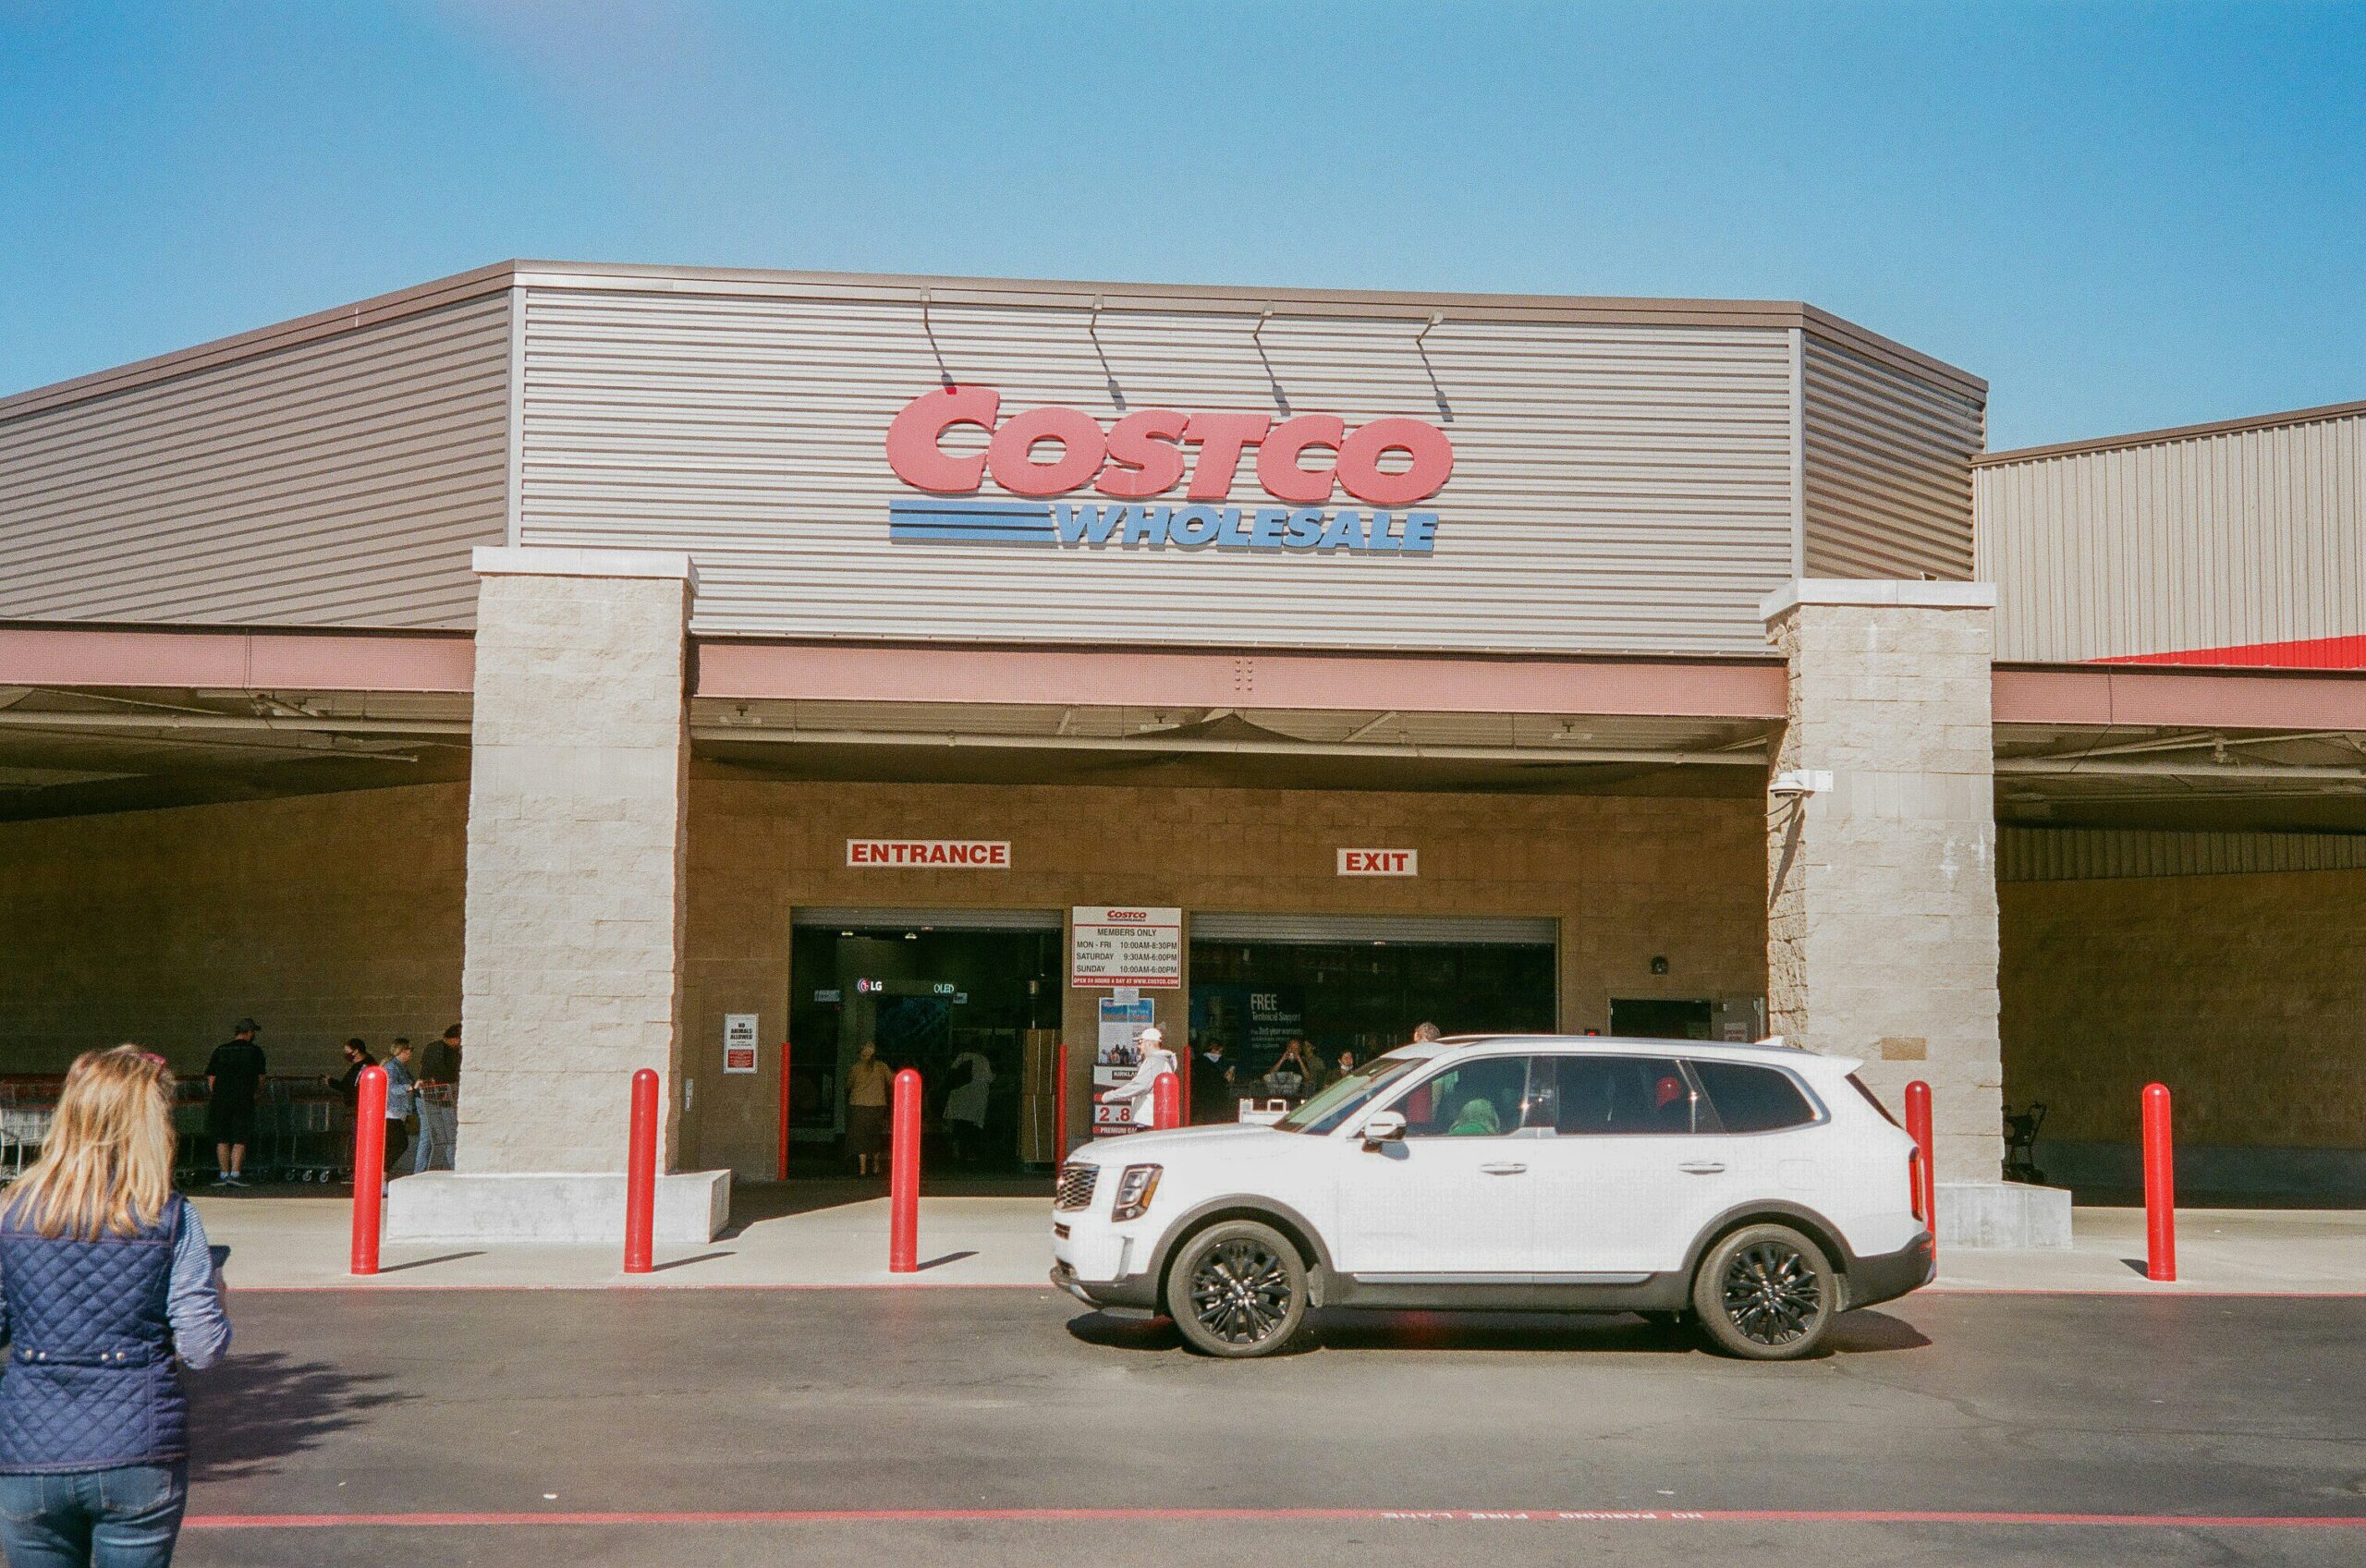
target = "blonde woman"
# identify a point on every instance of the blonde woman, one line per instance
(106, 1285)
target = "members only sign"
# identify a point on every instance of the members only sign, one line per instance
(1111, 947)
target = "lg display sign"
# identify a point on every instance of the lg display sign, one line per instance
(1040, 455)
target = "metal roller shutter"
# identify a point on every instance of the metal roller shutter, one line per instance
(938, 919)
(1456, 930)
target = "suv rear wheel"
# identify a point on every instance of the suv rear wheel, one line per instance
(1766, 1292)
(1238, 1289)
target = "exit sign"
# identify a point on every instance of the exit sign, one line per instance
(1380, 862)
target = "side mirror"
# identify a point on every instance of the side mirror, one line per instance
(1383, 1126)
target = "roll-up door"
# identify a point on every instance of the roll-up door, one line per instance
(1443, 930)
(935, 920)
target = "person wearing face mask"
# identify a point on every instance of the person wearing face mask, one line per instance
(867, 1082)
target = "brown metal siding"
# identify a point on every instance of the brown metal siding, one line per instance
(2226, 540)
(1887, 469)
(1621, 487)
(340, 482)
(2052, 854)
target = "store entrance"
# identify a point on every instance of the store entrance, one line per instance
(975, 1008)
(1355, 987)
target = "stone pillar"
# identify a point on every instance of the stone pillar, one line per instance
(572, 979)
(1882, 916)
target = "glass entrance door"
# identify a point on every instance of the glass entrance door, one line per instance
(960, 1005)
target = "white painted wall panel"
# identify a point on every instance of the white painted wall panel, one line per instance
(1617, 487)
(340, 482)
(1887, 469)
(2212, 541)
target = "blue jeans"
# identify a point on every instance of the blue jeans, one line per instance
(438, 1129)
(126, 1517)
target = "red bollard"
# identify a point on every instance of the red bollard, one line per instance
(2159, 1188)
(369, 1168)
(1926, 1164)
(640, 1173)
(1060, 1103)
(781, 1161)
(904, 1175)
(1165, 1102)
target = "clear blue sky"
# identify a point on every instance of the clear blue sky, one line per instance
(2123, 215)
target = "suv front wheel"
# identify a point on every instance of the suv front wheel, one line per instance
(1766, 1292)
(1238, 1289)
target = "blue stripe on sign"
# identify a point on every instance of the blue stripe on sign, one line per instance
(970, 534)
(977, 523)
(972, 508)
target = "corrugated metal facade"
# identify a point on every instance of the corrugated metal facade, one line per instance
(1615, 487)
(1886, 469)
(2230, 539)
(340, 482)
(2056, 855)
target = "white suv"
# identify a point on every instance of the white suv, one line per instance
(1756, 1189)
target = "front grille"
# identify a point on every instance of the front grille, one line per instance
(1074, 1189)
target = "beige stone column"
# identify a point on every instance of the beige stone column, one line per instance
(578, 850)
(577, 783)
(1882, 921)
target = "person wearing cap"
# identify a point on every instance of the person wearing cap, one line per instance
(1155, 1059)
(231, 1075)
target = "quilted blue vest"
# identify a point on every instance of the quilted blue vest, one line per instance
(88, 1382)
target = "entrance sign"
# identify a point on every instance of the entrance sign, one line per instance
(739, 1043)
(1390, 465)
(1380, 862)
(958, 854)
(1111, 947)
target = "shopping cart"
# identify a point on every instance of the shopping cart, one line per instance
(27, 1108)
(303, 1132)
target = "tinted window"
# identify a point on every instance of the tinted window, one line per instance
(1482, 1099)
(1753, 1100)
(1622, 1094)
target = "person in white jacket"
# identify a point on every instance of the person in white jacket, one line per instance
(1155, 1059)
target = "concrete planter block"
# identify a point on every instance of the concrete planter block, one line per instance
(2003, 1214)
(559, 1208)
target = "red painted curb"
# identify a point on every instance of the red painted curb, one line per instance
(1376, 1515)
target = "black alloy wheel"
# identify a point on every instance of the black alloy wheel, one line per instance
(1238, 1289)
(1766, 1292)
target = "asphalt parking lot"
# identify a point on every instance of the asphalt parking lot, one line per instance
(993, 1426)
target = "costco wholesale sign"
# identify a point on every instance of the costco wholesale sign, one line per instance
(1390, 465)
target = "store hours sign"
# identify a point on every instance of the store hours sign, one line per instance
(1111, 947)
(1061, 480)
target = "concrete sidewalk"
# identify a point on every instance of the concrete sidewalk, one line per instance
(281, 1243)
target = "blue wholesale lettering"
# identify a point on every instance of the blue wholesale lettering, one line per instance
(1305, 531)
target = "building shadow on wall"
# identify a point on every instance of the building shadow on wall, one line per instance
(255, 1410)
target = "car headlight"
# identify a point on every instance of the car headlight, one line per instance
(1134, 1189)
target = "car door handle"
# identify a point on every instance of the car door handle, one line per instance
(1702, 1167)
(1503, 1167)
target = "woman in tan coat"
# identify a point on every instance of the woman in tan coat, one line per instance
(868, 1082)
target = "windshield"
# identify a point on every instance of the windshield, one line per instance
(1349, 1094)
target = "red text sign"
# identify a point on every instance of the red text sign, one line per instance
(1052, 451)
(1380, 862)
(958, 854)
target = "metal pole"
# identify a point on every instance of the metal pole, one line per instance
(640, 1173)
(2159, 1188)
(1926, 1159)
(904, 1176)
(1060, 1103)
(780, 1161)
(369, 1168)
(1165, 1102)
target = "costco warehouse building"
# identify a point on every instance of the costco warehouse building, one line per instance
(640, 662)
